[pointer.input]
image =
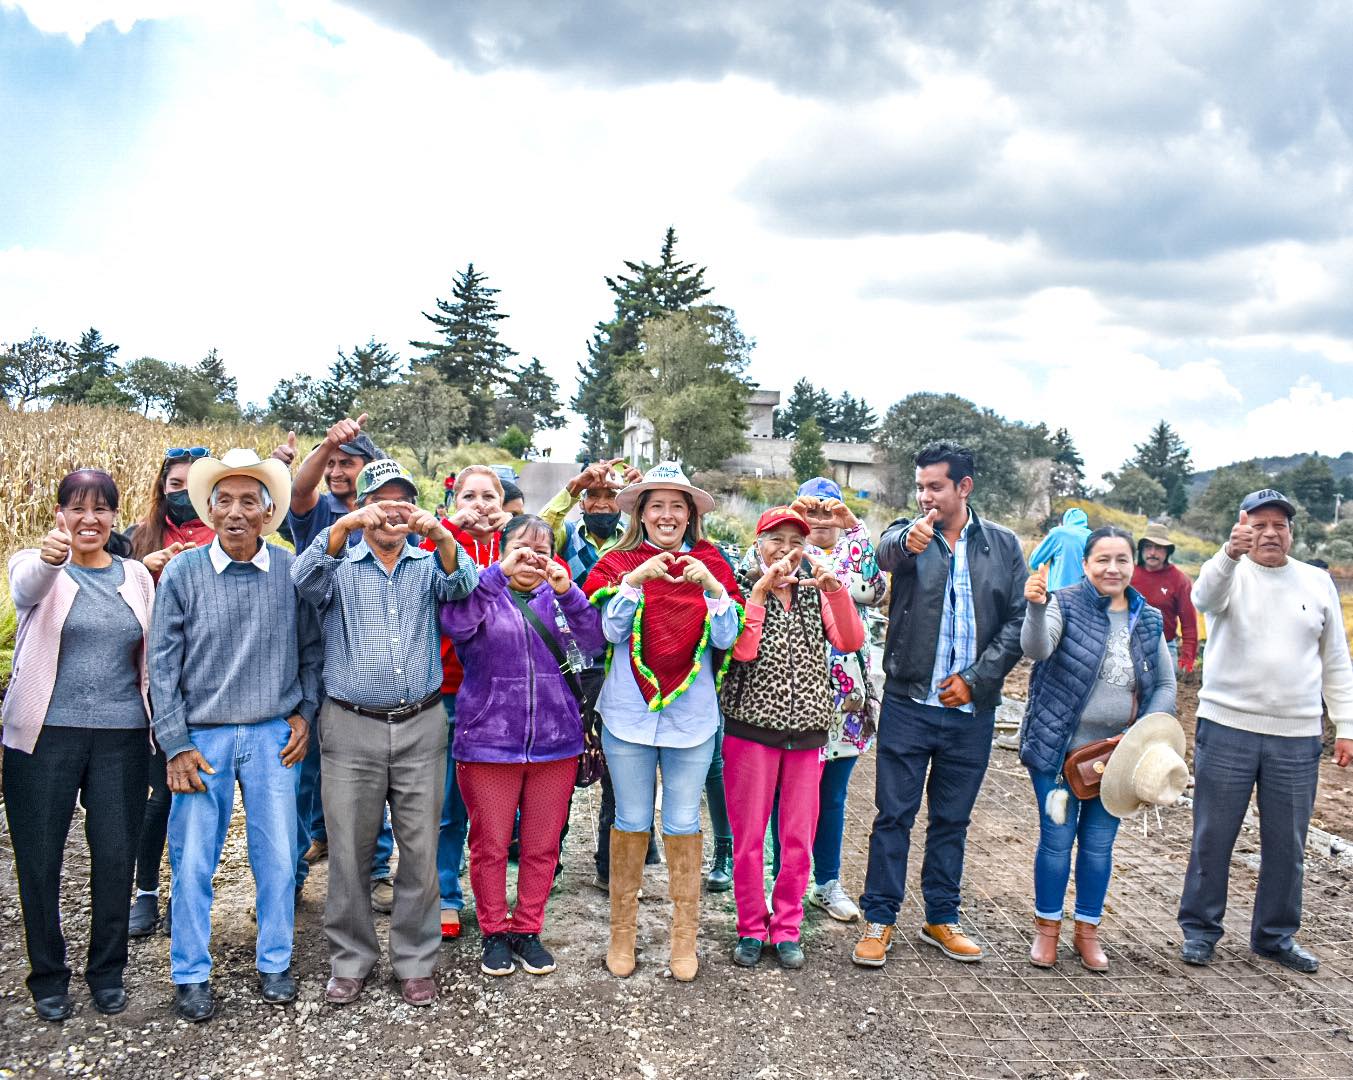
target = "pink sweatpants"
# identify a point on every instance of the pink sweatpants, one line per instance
(493, 794)
(751, 773)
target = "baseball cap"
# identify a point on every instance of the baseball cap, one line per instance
(780, 515)
(376, 474)
(362, 446)
(1268, 497)
(821, 487)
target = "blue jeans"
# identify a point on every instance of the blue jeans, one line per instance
(247, 754)
(1092, 829)
(831, 821)
(451, 837)
(943, 754)
(634, 774)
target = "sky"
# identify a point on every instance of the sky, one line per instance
(1094, 215)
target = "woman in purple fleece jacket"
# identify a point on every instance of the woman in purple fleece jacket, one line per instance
(518, 732)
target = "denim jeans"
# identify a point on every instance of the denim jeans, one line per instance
(1091, 829)
(831, 821)
(250, 755)
(454, 823)
(943, 754)
(634, 774)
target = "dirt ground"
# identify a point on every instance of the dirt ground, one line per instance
(922, 1016)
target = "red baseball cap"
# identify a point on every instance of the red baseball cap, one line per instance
(780, 515)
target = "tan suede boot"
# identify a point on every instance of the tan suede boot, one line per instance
(627, 873)
(1086, 940)
(1047, 933)
(684, 855)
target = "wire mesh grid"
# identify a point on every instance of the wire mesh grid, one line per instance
(1150, 1015)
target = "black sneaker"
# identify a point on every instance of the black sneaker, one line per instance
(534, 957)
(497, 959)
(144, 916)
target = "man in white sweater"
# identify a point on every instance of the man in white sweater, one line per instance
(1276, 646)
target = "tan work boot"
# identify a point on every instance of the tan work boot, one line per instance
(1047, 934)
(872, 949)
(950, 939)
(627, 871)
(684, 855)
(1086, 941)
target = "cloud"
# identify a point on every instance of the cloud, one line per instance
(1308, 418)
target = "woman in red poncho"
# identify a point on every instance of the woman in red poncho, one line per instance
(671, 611)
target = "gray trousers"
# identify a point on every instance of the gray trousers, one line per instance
(366, 763)
(1228, 765)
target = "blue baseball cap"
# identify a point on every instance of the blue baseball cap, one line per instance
(821, 487)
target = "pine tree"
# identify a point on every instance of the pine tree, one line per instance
(470, 358)
(531, 401)
(806, 458)
(1166, 459)
(852, 420)
(650, 290)
(806, 402)
(372, 366)
(1068, 467)
(225, 387)
(91, 360)
(296, 404)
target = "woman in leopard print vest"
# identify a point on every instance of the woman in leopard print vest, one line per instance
(778, 705)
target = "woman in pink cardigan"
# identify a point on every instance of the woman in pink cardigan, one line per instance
(76, 725)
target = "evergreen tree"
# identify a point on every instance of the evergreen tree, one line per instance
(1218, 507)
(852, 420)
(224, 386)
(372, 366)
(1136, 491)
(1311, 482)
(29, 369)
(89, 361)
(298, 405)
(531, 401)
(648, 291)
(806, 402)
(469, 357)
(1166, 459)
(1068, 467)
(421, 411)
(806, 458)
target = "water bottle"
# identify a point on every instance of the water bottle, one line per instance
(574, 660)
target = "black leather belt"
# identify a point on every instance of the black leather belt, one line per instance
(390, 716)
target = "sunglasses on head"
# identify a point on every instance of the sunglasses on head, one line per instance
(177, 453)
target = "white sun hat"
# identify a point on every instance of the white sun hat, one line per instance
(668, 475)
(1146, 768)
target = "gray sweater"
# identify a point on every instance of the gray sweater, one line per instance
(230, 648)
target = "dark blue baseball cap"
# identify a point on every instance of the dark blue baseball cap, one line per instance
(1268, 497)
(822, 487)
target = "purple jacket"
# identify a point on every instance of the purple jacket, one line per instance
(514, 705)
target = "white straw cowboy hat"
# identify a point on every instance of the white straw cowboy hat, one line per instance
(665, 474)
(1146, 768)
(205, 473)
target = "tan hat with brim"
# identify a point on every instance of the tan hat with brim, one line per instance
(1146, 768)
(1157, 534)
(665, 474)
(205, 473)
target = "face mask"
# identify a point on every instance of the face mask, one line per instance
(602, 525)
(180, 507)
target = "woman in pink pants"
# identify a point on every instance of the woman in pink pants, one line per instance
(778, 706)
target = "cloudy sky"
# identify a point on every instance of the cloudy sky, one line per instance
(1091, 214)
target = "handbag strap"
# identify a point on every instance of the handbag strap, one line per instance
(533, 620)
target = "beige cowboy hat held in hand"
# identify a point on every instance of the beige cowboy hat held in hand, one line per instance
(1146, 768)
(205, 473)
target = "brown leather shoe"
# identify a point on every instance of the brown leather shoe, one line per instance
(418, 992)
(950, 939)
(1047, 933)
(1086, 941)
(342, 991)
(872, 949)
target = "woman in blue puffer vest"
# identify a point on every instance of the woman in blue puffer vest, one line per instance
(1101, 661)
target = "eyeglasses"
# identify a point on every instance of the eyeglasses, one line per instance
(178, 453)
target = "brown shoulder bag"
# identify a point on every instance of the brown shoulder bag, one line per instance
(1084, 766)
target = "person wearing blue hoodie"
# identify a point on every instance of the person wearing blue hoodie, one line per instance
(1064, 547)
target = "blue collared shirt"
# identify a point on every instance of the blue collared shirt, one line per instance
(956, 649)
(381, 637)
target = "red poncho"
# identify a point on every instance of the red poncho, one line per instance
(672, 622)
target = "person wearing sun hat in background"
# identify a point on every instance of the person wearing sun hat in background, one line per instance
(1276, 648)
(671, 610)
(1169, 589)
(235, 671)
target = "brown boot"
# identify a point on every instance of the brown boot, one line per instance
(1047, 933)
(684, 854)
(627, 872)
(1086, 940)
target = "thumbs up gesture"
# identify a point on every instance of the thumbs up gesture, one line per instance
(921, 532)
(1036, 586)
(286, 452)
(56, 544)
(1242, 537)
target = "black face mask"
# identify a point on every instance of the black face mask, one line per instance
(179, 507)
(602, 525)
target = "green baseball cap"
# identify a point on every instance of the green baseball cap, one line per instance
(376, 474)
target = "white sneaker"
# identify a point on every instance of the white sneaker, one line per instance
(834, 901)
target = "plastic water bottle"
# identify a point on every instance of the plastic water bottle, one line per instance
(574, 660)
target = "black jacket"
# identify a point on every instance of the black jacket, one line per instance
(996, 566)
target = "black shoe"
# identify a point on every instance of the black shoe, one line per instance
(652, 858)
(56, 1008)
(277, 987)
(1197, 953)
(144, 917)
(720, 877)
(497, 957)
(534, 957)
(110, 1001)
(1294, 957)
(790, 954)
(194, 1002)
(166, 927)
(747, 951)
